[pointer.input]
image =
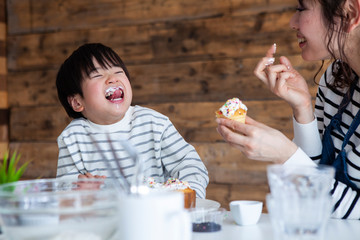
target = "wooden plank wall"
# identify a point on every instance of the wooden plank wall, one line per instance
(4, 122)
(186, 58)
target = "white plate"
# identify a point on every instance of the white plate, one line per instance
(206, 203)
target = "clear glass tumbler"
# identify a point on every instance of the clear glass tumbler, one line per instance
(300, 203)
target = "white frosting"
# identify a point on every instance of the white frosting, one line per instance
(170, 184)
(231, 106)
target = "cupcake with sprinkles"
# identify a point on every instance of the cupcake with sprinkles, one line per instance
(174, 184)
(233, 109)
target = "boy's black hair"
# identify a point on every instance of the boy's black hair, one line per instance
(80, 64)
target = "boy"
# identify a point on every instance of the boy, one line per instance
(94, 88)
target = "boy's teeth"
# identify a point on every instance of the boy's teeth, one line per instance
(110, 90)
(114, 93)
(108, 94)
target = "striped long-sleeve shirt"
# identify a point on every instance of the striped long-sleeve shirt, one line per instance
(345, 200)
(162, 150)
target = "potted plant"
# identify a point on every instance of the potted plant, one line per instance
(9, 170)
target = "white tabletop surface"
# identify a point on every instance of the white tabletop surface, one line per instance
(336, 229)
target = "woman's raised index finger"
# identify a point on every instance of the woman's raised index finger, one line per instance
(272, 50)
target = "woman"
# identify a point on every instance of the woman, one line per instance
(325, 29)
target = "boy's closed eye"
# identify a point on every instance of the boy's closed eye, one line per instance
(94, 74)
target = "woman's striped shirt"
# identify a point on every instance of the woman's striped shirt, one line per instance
(346, 200)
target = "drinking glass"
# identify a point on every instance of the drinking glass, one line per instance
(300, 203)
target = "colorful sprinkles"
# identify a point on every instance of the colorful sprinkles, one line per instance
(171, 183)
(231, 106)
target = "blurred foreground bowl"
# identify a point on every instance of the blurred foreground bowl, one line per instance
(55, 209)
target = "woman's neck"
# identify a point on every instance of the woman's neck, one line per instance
(352, 50)
(355, 65)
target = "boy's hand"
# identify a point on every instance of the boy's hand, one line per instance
(89, 175)
(89, 185)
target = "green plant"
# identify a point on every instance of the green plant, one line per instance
(9, 171)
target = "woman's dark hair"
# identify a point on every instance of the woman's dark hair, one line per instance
(337, 21)
(80, 64)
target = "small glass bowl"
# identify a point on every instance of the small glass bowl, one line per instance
(58, 209)
(207, 220)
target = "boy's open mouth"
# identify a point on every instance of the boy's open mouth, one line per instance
(114, 94)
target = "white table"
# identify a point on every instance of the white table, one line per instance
(336, 229)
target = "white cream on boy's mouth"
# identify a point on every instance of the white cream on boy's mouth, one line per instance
(114, 93)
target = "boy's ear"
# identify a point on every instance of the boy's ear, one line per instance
(353, 13)
(76, 103)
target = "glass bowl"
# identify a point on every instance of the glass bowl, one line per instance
(58, 209)
(207, 219)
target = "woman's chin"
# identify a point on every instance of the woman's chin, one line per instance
(309, 56)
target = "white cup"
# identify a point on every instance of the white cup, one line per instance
(154, 216)
(246, 212)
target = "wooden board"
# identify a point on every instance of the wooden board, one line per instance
(42, 156)
(229, 167)
(4, 112)
(161, 42)
(27, 16)
(195, 121)
(213, 80)
(225, 164)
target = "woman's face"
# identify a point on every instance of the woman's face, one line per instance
(311, 31)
